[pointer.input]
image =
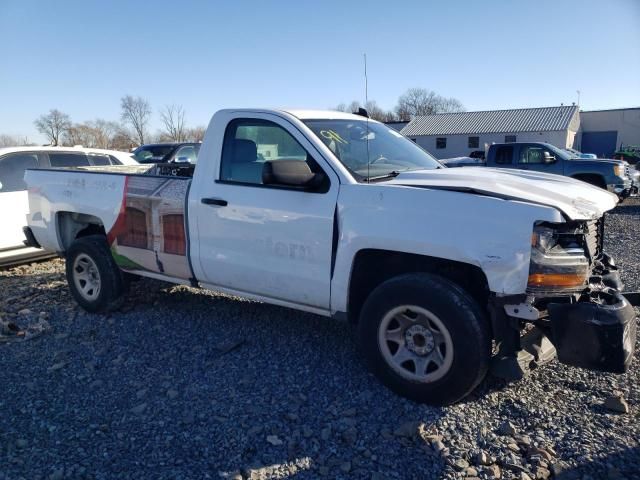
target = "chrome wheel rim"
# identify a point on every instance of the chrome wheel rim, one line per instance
(86, 277)
(415, 343)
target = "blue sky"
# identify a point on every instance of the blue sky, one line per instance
(82, 56)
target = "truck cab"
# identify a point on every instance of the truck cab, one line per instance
(612, 175)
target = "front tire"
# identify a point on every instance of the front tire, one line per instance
(425, 338)
(94, 279)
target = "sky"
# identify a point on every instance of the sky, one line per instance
(81, 57)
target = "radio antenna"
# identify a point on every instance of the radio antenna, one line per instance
(366, 102)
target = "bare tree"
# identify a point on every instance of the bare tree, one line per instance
(14, 141)
(451, 105)
(172, 117)
(372, 108)
(53, 125)
(103, 132)
(420, 101)
(77, 134)
(135, 113)
(123, 139)
(97, 134)
(196, 134)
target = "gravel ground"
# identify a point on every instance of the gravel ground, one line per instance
(187, 384)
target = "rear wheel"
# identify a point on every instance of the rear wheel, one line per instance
(94, 279)
(425, 338)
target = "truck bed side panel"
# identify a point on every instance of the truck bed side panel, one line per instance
(143, 216)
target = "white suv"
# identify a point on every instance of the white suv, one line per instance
(13, 191)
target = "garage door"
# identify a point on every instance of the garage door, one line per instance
(602, 144)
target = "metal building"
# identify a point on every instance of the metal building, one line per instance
(605, 131)
(447, 135)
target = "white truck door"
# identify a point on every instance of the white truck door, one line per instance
(266, 240)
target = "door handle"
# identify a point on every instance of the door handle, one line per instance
(214, 201)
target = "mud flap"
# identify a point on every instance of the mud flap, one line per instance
(598, 332)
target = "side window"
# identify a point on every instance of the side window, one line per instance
(68, 159)
(248, 144)
(12, 169)
(531, 155)
(186, 154)
(441, 142)
(504, 155)
(509, 139)
(99, 159)
(473, 142)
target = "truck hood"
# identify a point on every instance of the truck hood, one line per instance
(591, 161)
(575, 199)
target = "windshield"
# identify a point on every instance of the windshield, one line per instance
(380, 153)
(563, 154)
(572, 152)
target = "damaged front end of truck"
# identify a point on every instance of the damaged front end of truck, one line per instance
(573, 307)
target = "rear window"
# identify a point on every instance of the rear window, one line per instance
(68, 160)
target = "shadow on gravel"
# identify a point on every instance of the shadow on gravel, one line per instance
(621, 465)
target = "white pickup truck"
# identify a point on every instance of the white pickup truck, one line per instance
(338, 215)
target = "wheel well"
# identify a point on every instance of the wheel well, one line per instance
(71, 226)
(373, 267)
(592, 179)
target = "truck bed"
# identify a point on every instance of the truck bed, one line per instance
(147, 231)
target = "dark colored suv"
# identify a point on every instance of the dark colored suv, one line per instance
(168, 152)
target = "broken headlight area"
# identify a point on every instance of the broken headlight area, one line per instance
(560, 258)
(596, 332)
(573, 300)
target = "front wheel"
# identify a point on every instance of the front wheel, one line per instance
(94, 279)
(425, 338)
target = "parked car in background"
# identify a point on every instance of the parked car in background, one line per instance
(186, 152)
(338, 215)
(579, 154)
(609, 174)
(13, 190)
(477, 154)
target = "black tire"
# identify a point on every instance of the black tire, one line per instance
(467, 327)
(110, 293)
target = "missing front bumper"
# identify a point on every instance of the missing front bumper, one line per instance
(598, 332)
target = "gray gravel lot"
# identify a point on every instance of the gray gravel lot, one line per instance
(185, 384)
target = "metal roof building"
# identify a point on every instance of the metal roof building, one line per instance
(449, 135)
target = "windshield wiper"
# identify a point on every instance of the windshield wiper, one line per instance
(391, 174)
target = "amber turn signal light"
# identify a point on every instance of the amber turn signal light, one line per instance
(556, 280)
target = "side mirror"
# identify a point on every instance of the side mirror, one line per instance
(548, 158)
(294, 173)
